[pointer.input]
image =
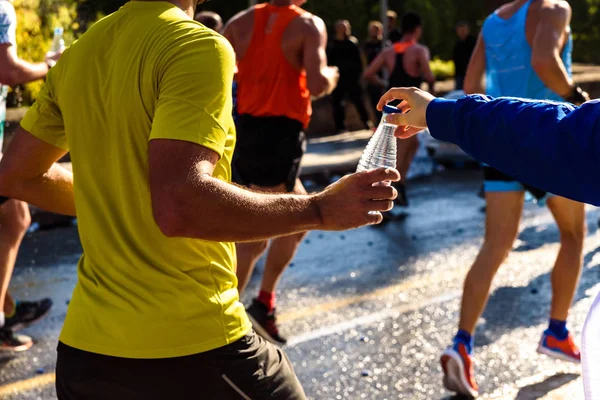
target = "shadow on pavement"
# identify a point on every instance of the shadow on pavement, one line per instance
(529, 305)
(46, 248)
(539, 390)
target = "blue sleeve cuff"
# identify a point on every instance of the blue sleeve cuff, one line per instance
(440, 119)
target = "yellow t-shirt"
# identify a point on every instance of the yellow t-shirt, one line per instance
(145, 72)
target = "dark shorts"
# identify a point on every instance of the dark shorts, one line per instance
(268, 151)
(496, 181)
(249, 368)
(3, 199)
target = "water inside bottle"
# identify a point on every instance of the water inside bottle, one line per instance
(381, 149)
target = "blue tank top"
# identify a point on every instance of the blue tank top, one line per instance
(508, 58)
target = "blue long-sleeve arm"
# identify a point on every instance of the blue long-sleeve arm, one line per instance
(549, 145)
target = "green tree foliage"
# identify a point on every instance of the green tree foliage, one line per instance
(586, 30)
(36, 20)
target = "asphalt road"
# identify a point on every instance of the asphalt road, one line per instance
(368, 312)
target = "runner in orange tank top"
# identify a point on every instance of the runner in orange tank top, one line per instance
(280, 49)
(407, 63)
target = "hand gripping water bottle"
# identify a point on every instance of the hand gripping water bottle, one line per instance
(381, 149)
(58, 43)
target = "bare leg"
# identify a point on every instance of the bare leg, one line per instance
(247, 256)
(14, 221)
(501, 228)
(9, 303)
(281, 253)
(570, 218)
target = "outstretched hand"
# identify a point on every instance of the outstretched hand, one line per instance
(357, 200)
(414, 106)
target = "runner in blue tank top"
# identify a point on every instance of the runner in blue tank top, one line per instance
(524, 50)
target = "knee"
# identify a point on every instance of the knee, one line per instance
(291, 242)
(261, 246)
(573, 235)
(17, 219)
(498, 245)
(258, 248)
(252, 249)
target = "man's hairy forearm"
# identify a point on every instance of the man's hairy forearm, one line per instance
(52, 191)
(211, 209)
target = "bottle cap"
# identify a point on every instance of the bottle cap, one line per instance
(391, 110)
(58, 30)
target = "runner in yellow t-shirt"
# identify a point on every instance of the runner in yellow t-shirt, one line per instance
(143, 103)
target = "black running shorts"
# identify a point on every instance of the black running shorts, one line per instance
(268, 151)
(249, 368)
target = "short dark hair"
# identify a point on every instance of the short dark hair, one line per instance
(410, 22)
(209, 19)
(462, 23)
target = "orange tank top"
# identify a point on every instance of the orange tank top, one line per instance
(401, 47)
(268, 85)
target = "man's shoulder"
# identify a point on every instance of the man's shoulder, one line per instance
(558, 11)
(311, 21)
(308, 24)
(194, 30)
(419, 47)
(197, 39)
(556, 5)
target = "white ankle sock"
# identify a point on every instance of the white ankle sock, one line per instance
(1, 319)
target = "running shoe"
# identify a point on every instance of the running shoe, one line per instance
(27, 313)
(458, 370)
(265, 322)
(14, 342)
(565, 349)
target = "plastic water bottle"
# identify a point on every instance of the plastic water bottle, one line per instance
(58, 43)
(381, 149)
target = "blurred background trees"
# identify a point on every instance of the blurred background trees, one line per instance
(37, 18)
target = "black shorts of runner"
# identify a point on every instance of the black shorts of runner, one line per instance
(268, 151)
(3, 199)
(249, 368)
(496, 181)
